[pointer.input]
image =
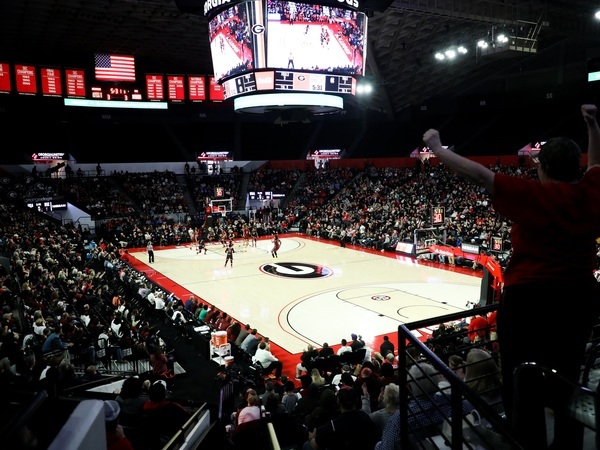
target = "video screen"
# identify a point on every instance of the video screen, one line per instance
(230, 42)
(315, 37)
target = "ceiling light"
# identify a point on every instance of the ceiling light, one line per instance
(482, 44)
(450, 54)
(439, 56)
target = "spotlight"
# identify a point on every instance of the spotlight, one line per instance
(482, 44)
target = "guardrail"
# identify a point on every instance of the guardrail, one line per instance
(454, 432)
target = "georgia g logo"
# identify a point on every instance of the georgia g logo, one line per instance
(296, 270)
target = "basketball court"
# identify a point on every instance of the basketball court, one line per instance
(315, 291)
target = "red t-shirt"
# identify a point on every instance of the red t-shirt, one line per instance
(555, 226)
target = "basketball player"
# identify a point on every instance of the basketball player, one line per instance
(254, 236)
(201, 246)
(276, 245)
(229, 251)
(246, 234)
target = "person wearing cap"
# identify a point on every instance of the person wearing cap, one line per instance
(115, 437)
(555, 223)
(357, 342)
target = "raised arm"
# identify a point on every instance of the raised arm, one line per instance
(589, 115)
(464, 167)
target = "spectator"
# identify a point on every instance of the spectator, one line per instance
(326, 351)
(267, 360)
(168, 414)
(336, 380)
(269, 389)
(115, 437)
(243, 334)
(306, 359)
(357, 342)
(565, 208)
(290, 397)
(389, 402)
(132, 397)
(483, 376)
(344, 348)
(386, 346)
(352, 428)
(251, 342)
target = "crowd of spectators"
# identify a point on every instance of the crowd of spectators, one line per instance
(60, 285)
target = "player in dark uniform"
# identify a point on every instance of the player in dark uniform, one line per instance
(254, 236)
(201, 246)
(229, 251)
(276, 245)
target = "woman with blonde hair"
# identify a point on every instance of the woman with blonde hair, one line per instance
(482, 375)
(316, 377)
(389, 402)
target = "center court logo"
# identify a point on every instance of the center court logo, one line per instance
(296, 270)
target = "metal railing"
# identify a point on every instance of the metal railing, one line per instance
(453, 431)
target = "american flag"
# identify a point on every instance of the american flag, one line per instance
(114, 67)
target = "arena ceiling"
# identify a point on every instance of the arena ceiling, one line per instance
(402, 41)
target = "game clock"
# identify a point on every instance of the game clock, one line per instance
(116, 93)
(438, 216)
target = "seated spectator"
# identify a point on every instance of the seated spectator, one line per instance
(390, 439)
(478, 328)
(308, 402)
(326, 410)
(250, 344)
(306, 359)
(387, 374)
(243, 334)
(233, 331)
(267, 360)
(457, 364)
(272, 404)
(115, 436)
(316, 377)
(357, 342)
(326, 351)
(132, 397)
(269, 389)
(337, 378)
(344, 348)
(250, 412)
(166, 414)
(388, 401)
(482, 374)
(91, 374)
(352, 428)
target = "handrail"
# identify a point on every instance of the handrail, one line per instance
(185, 427)
(458, 392)
(272, 435)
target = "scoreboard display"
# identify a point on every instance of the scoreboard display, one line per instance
(288, 81)
(287, 46)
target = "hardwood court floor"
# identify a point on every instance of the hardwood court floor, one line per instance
(315, 291)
